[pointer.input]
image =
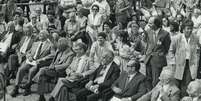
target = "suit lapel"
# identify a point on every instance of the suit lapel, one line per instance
(84, 59)
(64, 56)
(109, 71)
(158, 36)
(44, 47)
(55, 57)
(131, 83)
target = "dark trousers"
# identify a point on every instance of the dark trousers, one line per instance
(183, 84)
(152, 73)
(86, 95)
(199, 67)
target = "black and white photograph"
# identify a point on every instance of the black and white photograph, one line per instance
(100, 50)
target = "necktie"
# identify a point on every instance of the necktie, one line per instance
(39, 18)
(127, 81)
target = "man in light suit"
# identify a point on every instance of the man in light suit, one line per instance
(194, 91)
(165, 90)
(61, 61)
(101, 80)
(184, 48)
(77, 73)
(158, 41)
(39, 55)
(21, 49)
(130, 85)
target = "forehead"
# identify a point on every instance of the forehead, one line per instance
(188, 27)
(100, 37)
(151, 20)
(95, 7)
(76, 47)
(131, 63)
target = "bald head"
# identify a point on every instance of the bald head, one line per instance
(194, 88)
(107, 57)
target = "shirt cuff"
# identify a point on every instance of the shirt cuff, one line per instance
(129, 98)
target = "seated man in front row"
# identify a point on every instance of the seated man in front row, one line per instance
(165, 90)
(194, 91)
(61, 61)
(101, 80)
(39, 55)
(79, 69)
(130, 85)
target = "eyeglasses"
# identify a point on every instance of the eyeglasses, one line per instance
(95, 9)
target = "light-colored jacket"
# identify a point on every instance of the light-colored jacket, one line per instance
(178, 50)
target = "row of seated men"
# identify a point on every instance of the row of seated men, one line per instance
(77, 74)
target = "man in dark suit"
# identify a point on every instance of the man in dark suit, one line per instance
(158, 41)
(102, 79)
(130, 85)
(39, 55)
(61, 61)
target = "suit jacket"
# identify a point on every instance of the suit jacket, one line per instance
(86, 69)
(112, 74)
(63, 61)
(46, 53)
(157, 50)
(21, 56)
(178, 49)
(23, 40)
(154, 94)
(134, 89)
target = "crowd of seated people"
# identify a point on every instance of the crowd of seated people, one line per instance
(102, 50)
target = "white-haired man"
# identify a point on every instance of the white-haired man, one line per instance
(165, 90)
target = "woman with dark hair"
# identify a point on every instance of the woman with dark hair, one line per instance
(107, 29)
(123, 48)
(179, 19)
(83, 37)
(94, 23)
(166, 24)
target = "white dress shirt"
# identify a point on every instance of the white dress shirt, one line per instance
(187, 47)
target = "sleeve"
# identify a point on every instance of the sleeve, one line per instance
(141, 90)
(146, 97)
(90, 67)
